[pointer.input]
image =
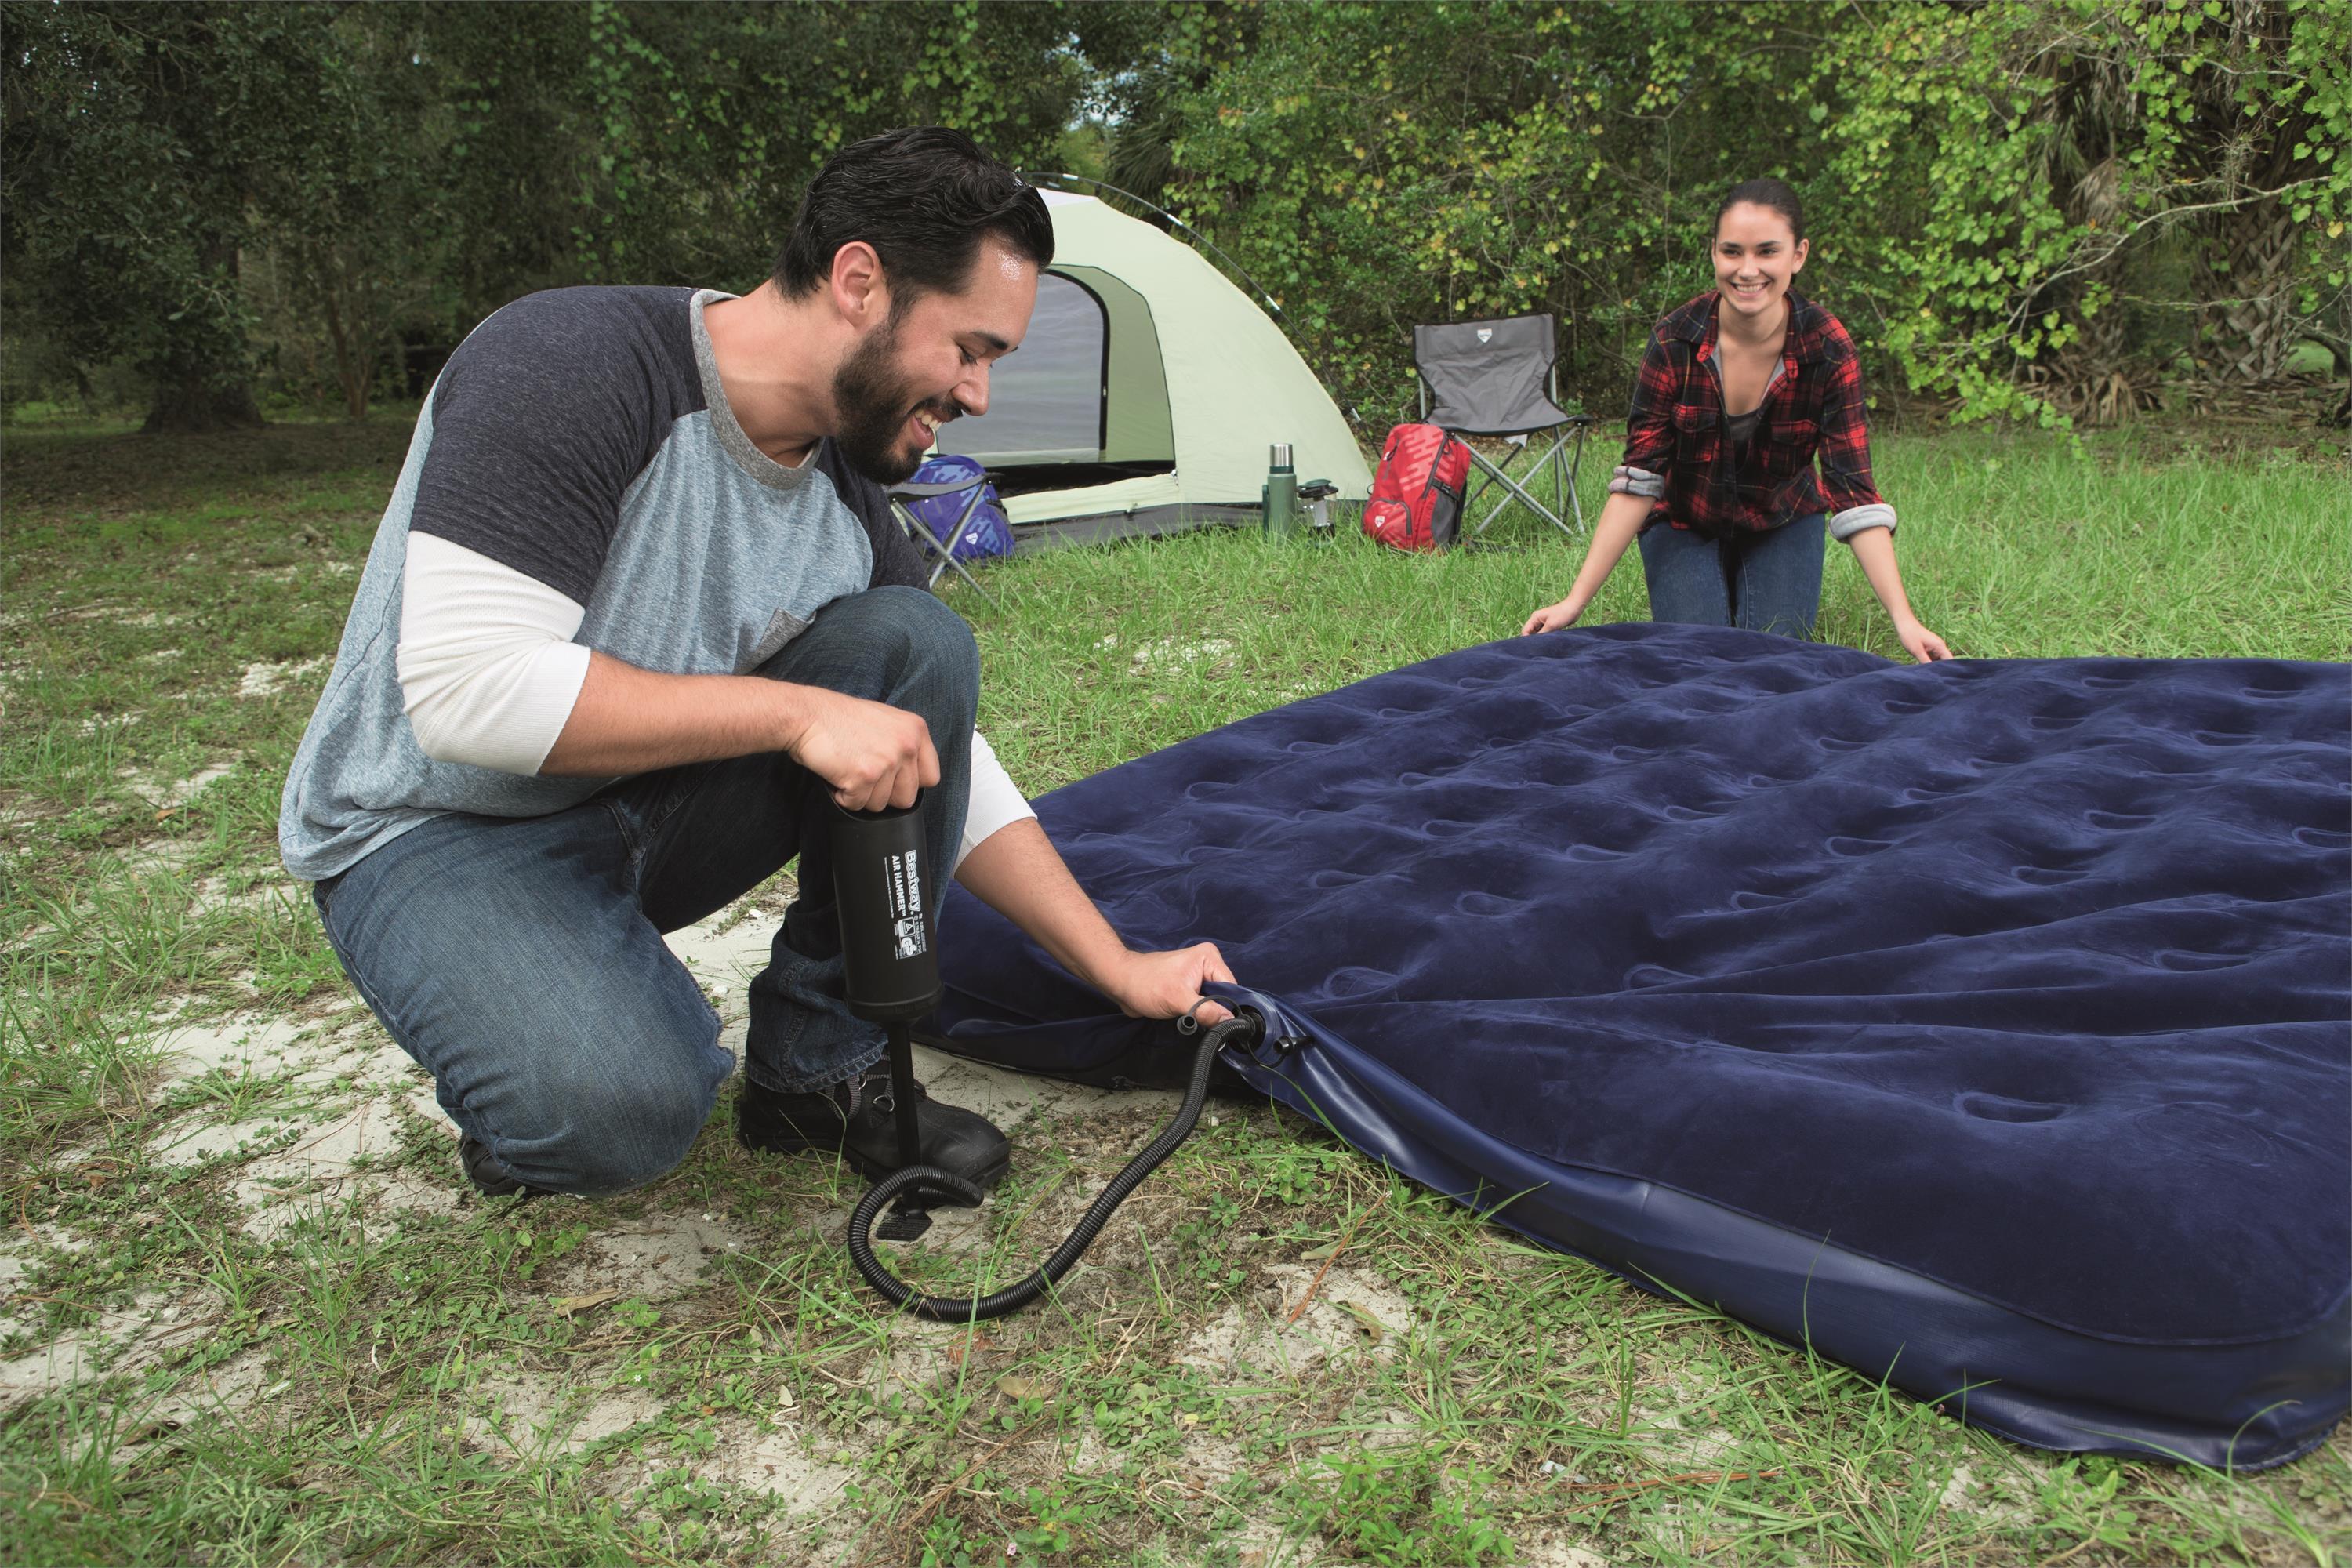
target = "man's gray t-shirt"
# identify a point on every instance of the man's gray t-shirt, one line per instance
(580, 436)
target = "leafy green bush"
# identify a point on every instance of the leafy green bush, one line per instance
(2012, 205)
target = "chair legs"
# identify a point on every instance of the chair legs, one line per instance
(1565, 459)
(947, 556)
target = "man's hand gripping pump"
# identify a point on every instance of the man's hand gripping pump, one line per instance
(893, 978)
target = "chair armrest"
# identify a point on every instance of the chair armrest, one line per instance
(925, 492)
(1579, 421)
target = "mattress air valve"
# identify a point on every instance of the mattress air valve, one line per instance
(893, 979)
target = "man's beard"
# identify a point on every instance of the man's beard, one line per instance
(874, 402)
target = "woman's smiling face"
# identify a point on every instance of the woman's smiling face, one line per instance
(1756, 254)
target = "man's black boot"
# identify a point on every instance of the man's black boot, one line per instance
(857, 1120)
(490, 1179)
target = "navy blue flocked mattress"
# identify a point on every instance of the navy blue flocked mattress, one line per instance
(1987, 1025)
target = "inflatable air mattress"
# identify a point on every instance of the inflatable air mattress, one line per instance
(1986, 1025)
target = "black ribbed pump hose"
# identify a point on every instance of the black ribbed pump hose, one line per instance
(1244, 1026)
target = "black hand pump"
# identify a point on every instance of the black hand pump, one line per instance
(893, 979)
(893, 976)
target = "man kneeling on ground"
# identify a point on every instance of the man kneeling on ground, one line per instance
(637, 619)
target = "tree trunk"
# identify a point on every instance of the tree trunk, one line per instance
(2245, 262)
(203, 373)
(355, 361)
(2249, 330)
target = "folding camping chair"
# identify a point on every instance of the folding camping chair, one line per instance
(1499, 378)
(920, 532)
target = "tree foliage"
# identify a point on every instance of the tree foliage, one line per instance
(360, 172)
(2027, 207)
(2034, 208)
(2067, 186)
(1378, 166)
(135, 140)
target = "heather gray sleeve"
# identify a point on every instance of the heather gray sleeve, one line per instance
(542, 418)
(1844, 525)
(1628, 480)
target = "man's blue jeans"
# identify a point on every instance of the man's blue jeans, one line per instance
(1767, 582)
(520, 961)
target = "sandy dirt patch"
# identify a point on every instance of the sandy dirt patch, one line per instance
(269, 679)
(541, 1418)
(222, 1392)
(243, 1043)
(658, 1256)
(1352, 1313)
(726, 954)
(154, 855)
(179, 792)
(217, 893)
(777, 1462)
(193, 1146)
(324, 1165)
(1166, 651)
(129, 1340)
(342, 1098)
(1010, 1099)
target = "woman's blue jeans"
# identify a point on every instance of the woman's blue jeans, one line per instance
(520, 961)
(1767, 582)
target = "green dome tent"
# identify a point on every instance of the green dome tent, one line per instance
(1146, 393)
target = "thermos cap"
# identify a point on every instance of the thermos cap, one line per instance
(1278, 454)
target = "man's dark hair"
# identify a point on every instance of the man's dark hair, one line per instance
(923, 199)
(1767, 193)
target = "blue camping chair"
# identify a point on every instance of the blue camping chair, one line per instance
(949, 533)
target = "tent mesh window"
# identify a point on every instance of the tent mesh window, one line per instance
(1044, 403)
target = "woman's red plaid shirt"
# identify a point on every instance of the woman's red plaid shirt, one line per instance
(1813, 407)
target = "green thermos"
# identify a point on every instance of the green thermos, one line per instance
(1281, 494)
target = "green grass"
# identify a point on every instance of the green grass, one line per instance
(2009, 548)
(386, 1369)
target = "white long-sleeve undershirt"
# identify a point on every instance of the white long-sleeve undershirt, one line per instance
(489, 673)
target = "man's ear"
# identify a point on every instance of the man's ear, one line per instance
(859, 292)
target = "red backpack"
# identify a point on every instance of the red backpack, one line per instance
(1417, 495)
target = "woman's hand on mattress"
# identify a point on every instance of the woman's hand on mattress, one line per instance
(1551, 617)
(1874, 551)
(1920, 643)
(1623, 517)
(1168, 984)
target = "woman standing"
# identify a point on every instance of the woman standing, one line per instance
(1740, 392)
